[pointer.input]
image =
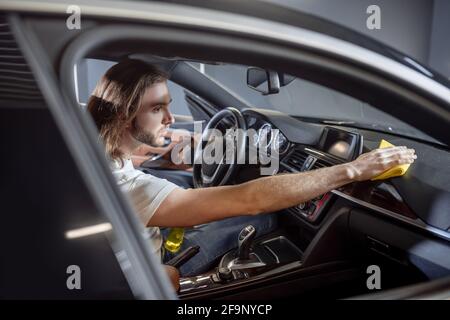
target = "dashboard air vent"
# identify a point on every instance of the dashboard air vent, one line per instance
(296, 159)
(320, 164)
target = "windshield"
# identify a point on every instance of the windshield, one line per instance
(306, 99)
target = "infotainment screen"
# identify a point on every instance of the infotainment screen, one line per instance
(340, 143)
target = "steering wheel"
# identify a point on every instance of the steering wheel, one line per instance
(208, 174)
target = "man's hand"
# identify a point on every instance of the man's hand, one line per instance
(375, 162)
(174, 276)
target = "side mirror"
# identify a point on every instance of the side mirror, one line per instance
(264, 81)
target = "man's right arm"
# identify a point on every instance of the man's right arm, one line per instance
(197, 206)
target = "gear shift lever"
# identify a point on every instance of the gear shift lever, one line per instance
(245, 241)
(242, 258)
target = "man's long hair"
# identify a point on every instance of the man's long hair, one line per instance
(117, 99)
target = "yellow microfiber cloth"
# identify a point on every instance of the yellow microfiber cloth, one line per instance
(395, 171)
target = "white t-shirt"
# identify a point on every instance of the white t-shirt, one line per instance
(146, 193)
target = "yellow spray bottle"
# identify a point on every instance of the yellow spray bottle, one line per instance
(174, 240)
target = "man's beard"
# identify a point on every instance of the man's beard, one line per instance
(142, 136)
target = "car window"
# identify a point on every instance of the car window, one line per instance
(303, 98)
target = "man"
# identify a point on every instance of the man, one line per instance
(130, 107)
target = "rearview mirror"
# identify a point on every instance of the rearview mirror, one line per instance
(266, 81)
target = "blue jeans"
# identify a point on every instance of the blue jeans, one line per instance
(215, 239)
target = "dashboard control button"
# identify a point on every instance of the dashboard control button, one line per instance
(303, 206)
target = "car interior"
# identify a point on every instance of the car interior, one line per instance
(324, 246)
(320, 249)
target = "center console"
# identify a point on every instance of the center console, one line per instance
(250, 260)
(335, 146)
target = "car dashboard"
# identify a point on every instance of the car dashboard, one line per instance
(359, 224)
(335, 145)
(416, 204)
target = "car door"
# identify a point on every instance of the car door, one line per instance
(68, 233)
